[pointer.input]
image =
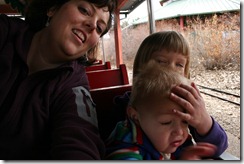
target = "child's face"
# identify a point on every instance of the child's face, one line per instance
(165, 130)
(175, 61)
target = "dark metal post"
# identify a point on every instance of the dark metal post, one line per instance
(151, 16)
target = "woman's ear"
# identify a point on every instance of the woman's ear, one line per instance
(132, 114)
(51, 11)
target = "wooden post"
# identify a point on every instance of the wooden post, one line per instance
(181, 22)
(118, 38)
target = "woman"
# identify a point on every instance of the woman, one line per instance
(45, 106)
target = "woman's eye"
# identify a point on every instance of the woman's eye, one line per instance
(99, 29)
(83, 10)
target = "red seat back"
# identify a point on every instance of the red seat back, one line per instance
(106, 65)
(107, 78)
(108, 114)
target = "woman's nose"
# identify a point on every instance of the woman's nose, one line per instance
(90, 24)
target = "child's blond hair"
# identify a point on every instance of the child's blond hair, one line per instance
(171, 41)
(154, 81)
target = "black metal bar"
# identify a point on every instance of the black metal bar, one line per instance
(220, 98)
(219, 91)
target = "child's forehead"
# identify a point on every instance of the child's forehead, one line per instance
(168, 54)
(161, 106)
(167, 51)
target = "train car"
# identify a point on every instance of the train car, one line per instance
(103, 90)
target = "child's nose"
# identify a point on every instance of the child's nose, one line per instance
(178, 129)
(172, 66)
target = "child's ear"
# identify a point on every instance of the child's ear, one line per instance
(132, 114)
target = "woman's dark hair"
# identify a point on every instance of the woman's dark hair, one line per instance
(36, 11)
(90, 57)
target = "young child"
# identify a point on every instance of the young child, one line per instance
(170, 49)
(152, 130)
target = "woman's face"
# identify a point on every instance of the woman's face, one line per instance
(75, 28)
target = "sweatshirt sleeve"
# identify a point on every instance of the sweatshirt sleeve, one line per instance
(216, 136)
(4, 26)
(75, 133)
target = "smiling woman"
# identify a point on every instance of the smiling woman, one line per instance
(46, 109)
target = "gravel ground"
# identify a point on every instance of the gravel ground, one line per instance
(225, 113)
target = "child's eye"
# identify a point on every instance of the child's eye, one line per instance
(185, 122)
(162, 62)
(166, 123)
(180, 65)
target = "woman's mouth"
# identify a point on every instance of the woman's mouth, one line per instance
(79, 34)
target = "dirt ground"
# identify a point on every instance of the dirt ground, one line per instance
(225, 113)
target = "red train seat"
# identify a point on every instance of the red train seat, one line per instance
(108, 77)
(107, 112)
(106, 65)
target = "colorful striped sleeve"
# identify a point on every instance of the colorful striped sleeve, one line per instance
(131, 153)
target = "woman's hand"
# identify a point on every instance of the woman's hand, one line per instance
(189, 97)
(199, 151)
